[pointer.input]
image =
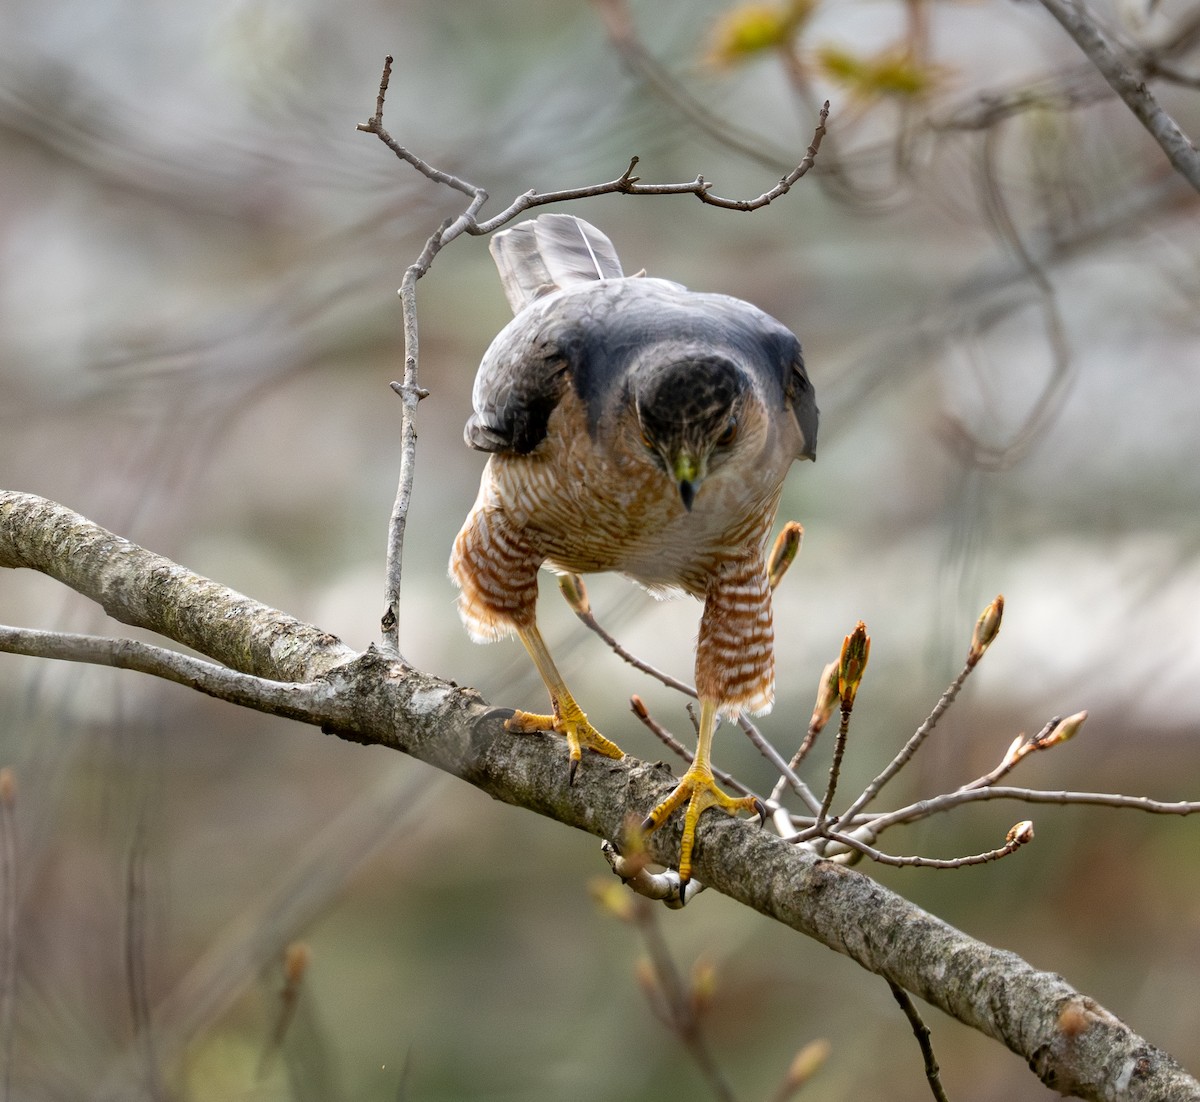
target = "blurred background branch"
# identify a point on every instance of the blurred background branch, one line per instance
(197, 330)
(1083, 28)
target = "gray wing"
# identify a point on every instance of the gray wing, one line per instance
(593, 336)
(521, 379)
(523, 373)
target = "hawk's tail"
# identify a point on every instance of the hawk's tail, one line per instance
(550, 253)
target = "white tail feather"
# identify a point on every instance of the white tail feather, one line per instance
(550, 253)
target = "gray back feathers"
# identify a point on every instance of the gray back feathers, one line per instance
(581, 323)
(551, 253)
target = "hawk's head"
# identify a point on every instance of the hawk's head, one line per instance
(688, 411)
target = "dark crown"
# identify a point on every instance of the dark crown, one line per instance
(693, 397)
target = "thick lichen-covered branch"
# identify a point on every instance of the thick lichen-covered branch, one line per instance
(143, 589)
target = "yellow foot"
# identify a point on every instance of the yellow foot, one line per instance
(699, 791)
(574, 726)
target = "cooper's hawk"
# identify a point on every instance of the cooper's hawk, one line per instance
(634, 426)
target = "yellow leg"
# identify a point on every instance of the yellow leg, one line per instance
(700, 791)
(568, 718)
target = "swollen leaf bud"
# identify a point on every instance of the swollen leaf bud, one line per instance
(704, 985)
(805, 1064)
(1017, 749)
(751, 28)
(1066, 729)
(856, 649)
(893, 73)
(613, 897)
(827, 698)
(986, 629)
(574, 593)
(1021, 833)
(783, 554)
(647, 978)
(296, 959)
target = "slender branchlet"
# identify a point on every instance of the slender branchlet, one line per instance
(856, 649)
(297, 958)
(811, 1058)
(986, 628)
(933, 1074)
(826, 702)
(1018, 835)
(678, 1002)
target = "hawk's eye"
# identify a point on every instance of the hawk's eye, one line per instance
(728, 434)
(647, 442)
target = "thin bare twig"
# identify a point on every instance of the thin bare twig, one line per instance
(924, 808)
(1014, 756)
(626, 655)
(1016, 839)
(768, 751)
(639, 709)
(835, 769)
(909, 748)
(806, 744)
(836, 179)
(1069, 88)
(296, 959)
(136, 985)
(676, 1003)
(296, 700)
(1047, 404)
(1082, 26)
(933, 1074)
(1167, 72)
(804, 749)
(826, 700)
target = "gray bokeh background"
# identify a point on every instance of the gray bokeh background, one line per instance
(198, 260)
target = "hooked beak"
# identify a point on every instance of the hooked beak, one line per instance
(688, 476)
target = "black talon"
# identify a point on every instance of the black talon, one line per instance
(571, 772)
(761, 808)
(647, 823)
(683, 883)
